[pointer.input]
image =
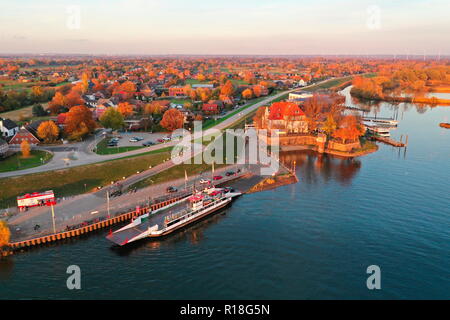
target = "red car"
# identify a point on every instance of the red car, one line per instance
(217, 177)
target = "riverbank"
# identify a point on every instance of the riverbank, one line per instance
(432, 101)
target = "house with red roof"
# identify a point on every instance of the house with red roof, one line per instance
(211, 108)
(23, 135)
(286, 116)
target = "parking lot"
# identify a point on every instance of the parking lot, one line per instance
(145, 136)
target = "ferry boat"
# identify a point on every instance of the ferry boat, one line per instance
(175, 216)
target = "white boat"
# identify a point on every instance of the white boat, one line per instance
(175, 216)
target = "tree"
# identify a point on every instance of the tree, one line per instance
(125, 108)
(48, 131)
(329, 126)
(5, 234)
(258, 118)
(37, 94)
(25, 148)
(79, 122)
(38, 111)
(349, 129)
(172, 119)
(112, 118)
(58, 101)
(227, 89)
(247, 93)
(84, 82)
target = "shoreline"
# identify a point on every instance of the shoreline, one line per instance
(433, 101)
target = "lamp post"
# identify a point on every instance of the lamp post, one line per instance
(53, 219)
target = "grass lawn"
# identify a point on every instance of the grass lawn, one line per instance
(72, 181)
(102, 148)
(17, 162)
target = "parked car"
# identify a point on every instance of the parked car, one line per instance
(205, 181)
(229, 173)
(160, 140)
(217, 177)
(138, 138)
(148, 143)
(171, 189)
(133, 140)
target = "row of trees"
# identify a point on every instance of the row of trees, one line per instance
(13, 99)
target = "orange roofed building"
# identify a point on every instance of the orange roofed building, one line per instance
(286, 116)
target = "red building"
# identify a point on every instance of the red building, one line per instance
(176, 91)
(211, 108)
(23, 135)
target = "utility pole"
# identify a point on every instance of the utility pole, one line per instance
(107, 202)
(53, 219)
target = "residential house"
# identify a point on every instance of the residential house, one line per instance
(211, 108)
(23, 135)
(285, 116)
(8, 128)
(176, 91)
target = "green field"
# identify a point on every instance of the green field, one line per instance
(17, 162)
(77, 180)
(102, 148)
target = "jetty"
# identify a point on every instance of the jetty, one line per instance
(391, 142)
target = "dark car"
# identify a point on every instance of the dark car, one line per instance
(217, 177)
(148, 143)
(171, 189)
(229, 173)
(112, 144)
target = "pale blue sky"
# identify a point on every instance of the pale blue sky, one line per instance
(226, 27)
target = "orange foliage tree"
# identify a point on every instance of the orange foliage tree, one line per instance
(125, 108)
(25, 148)
(349, 129)
(48, 131)
(247, 93)
(227, 89)
(79, 122)
(172, 119)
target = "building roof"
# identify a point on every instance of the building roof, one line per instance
(9, 124)
(279, 110)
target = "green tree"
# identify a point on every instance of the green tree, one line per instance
(112, 118)
(38, 111)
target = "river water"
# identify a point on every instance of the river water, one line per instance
(311, 240)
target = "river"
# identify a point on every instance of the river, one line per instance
(310, 240)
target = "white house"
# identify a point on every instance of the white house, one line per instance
(8, 128)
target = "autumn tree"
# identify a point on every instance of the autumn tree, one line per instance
(247, 93)
(113, 119)
(84, 82)
(5, 234)
(227, 89)
(329, 126)
(79, 122)
(126, 109)
(48, 131)
(172, 119)
(25, 149)
(349, 129)
(258, 118)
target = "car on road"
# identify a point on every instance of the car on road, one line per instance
(133, 140)
(229, 173)
(148, 143)
(205, 181)
(171, 189)
(160, 140)
(217, 177)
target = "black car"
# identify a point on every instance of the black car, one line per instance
(148, 143)
(229, 173)
(112, 144)
(171, 189)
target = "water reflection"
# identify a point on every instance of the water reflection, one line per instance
(312, 167)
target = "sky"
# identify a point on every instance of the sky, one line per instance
(282, 27)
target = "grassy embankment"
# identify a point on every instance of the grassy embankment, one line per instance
(77, 180)
(18, 162)
(103, 149)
